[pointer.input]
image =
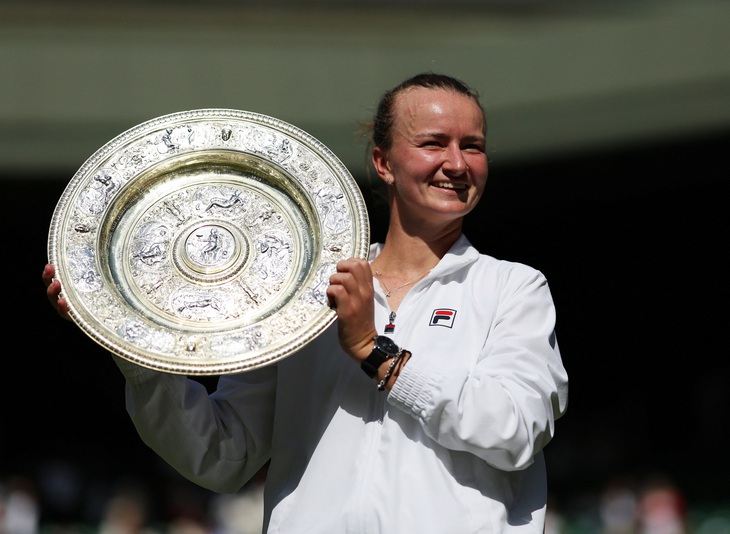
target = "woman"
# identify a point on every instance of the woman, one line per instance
(443, 431)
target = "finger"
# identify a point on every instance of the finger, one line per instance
(53, 290)
(336, 293)
(63, 309)
(353, 274)
(48, 273)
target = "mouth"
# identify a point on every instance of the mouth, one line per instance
(457, 186)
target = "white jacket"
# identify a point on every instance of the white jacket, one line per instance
(454, 448)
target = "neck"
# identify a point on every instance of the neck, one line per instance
(418, 242)
(406, 254)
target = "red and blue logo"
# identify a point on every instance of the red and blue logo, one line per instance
(443, 317)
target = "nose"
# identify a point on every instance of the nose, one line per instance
(454, 161)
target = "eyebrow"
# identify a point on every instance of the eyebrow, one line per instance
(437, 135)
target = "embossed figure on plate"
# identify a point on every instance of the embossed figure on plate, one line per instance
(274, 256)
(150, 245)
(332, 203)
(220, 201)
(177, 138)
(83, 268)
(95, 198)
(211, 247)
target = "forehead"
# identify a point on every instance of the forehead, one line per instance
(420, 106)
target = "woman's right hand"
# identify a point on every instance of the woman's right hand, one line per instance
(53, 290)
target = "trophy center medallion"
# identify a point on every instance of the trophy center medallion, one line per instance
(210, 252)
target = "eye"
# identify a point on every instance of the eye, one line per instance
(474, 147)
(431, 142)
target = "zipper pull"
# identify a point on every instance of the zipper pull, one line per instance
(390, 327)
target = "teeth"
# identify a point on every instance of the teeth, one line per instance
(450, 185)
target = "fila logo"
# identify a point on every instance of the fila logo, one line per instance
(443, 317)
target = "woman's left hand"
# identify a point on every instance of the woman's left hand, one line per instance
(350, 293)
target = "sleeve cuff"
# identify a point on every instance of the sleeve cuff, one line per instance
(135, 374)
(413, 391)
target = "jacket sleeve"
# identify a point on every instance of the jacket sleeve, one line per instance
(502, 409)
(218, 441)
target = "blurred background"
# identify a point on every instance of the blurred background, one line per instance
(609, 129)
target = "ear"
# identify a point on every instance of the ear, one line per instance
(382, 165)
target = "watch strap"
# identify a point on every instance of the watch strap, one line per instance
(372, 363)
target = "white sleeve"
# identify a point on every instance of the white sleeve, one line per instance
(503, 409)
(219, 441)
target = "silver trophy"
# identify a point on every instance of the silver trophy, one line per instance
(202, 242)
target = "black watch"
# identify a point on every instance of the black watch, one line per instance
(383, 350)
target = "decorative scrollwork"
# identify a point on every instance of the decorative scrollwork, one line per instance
(202, 242)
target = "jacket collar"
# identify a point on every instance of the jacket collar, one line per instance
(461, 254)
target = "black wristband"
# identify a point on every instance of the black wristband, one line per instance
(372, 363)
(383, 350)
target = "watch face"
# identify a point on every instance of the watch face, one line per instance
(386, 344)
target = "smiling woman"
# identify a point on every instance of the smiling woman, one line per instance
(459, 399)
(435, 164)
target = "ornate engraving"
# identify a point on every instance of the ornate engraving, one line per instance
(150, 244)
(211, 246)
(94, 199)
(202, 242)
(274, 256)
(83, 269)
